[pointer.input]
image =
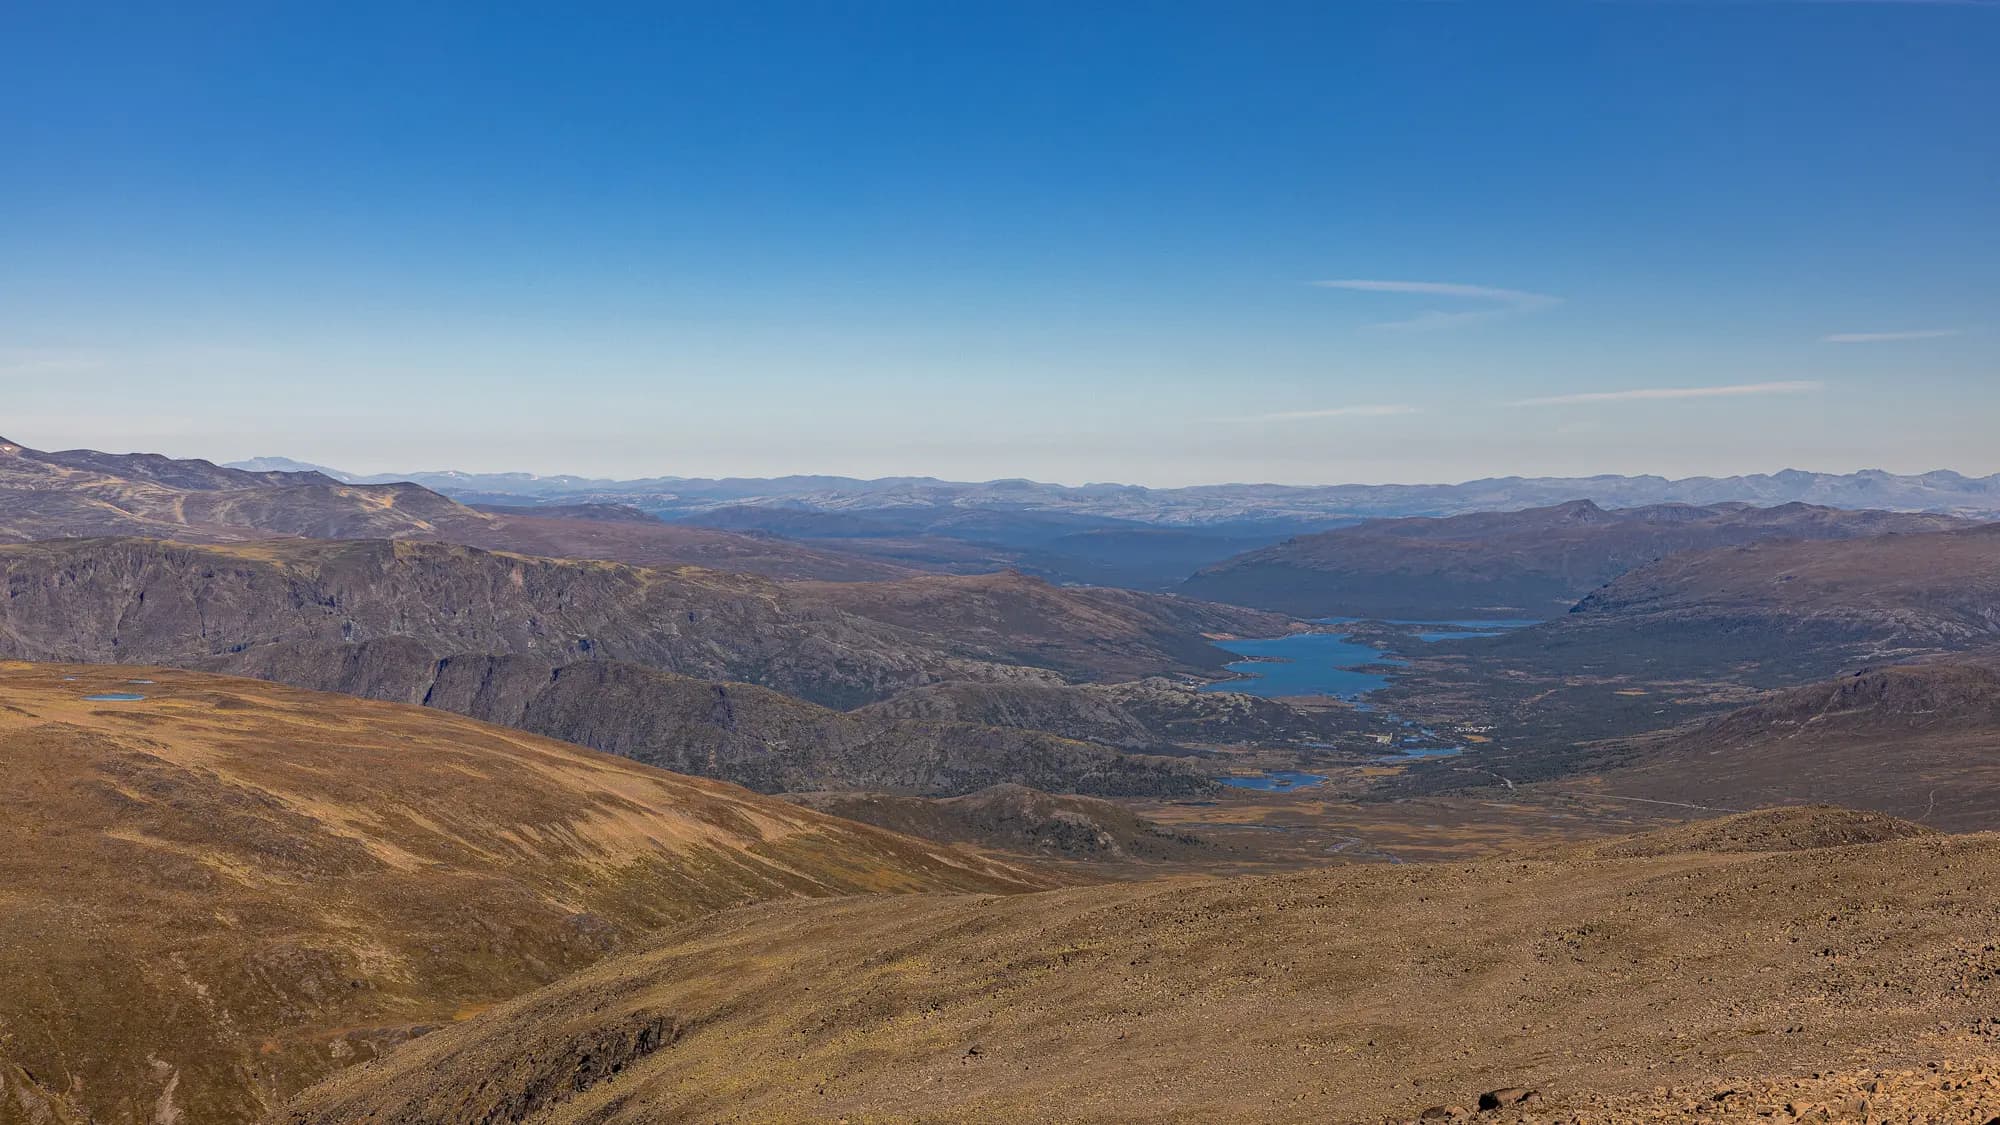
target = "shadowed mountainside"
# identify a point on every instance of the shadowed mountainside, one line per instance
(1152, 714)
(1061, 547)
(1919, 741)
(226, 890)
(605, 655)
(1084, 632)
(172, 603)
(1697, 634)
(1781, 613)
(630, 536)
(750, 735)
(1533, 563)
(1634, 988)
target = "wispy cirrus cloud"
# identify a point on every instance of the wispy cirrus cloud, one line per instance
(1889, 337)
(48, 361)
(1386, 410)
(1732, 390)
(1495, 302)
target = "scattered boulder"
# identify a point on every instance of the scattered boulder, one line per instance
(1501, 1098)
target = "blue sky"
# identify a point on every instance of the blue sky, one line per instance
(1160, 243)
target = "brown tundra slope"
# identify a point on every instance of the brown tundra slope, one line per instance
(222, 892)
(1014, 818)
(1533, 563)
(1920, 741)
(1724, 971)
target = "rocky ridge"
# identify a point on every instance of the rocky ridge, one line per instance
(631, 660)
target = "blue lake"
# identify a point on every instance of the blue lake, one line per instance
(1327, 664)
(114, 697)
(1304, 664)
(1275, 780)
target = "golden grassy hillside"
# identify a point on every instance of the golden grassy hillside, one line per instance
(1721, 974)
(217, 894)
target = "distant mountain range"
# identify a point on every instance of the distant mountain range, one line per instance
(1200, 506)
(1532, 563)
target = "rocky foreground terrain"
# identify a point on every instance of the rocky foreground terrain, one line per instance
(216, 894)
(1533, 564)
(1785, 965)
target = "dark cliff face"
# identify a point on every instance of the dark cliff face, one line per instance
(613, 657)
(146, 601)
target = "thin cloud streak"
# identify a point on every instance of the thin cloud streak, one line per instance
(1886, 337)
(1381, 411)
(1504, 301)
(1736, 390)
(40, 361)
